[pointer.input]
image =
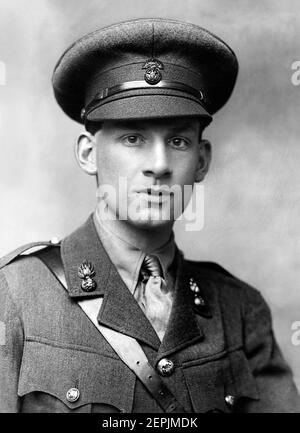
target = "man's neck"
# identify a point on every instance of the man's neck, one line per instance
(148, 240)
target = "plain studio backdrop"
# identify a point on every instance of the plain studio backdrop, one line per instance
(252, 190)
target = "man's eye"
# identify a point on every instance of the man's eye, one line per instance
(179, 143)
(132, 140)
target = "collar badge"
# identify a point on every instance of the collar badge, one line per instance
(86, 272)
(198, 300)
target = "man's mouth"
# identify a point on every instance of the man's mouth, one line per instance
(155, 193)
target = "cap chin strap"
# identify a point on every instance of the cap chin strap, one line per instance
(137, 85)
(127, 348)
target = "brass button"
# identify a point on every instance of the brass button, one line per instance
(73, 395)
(230, 400)
(82, 114)
(165, 367)
(55, 241)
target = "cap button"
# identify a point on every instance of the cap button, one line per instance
(165, 367)
(73, 395)
(54, 240)
(82, 114)
(230, 400)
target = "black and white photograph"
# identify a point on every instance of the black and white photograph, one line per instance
(150, 204)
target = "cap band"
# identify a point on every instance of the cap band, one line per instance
(135, 85)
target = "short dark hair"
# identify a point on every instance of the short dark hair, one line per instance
(93, 127)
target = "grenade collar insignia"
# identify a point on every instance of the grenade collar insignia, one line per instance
(198, 300)
(200, 306)
(153, 75)
(86, 272)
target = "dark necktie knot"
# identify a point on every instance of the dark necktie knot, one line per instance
(152, 266)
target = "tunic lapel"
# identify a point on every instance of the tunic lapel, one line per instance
(121, 312)
(183, 328)
(119, 309)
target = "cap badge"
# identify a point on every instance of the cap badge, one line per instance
(86, 272)
(153, 74)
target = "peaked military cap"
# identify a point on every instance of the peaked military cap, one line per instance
(145, 68)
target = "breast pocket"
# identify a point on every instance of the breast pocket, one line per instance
(222, 385)
(63, 379)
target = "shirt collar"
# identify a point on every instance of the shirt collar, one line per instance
(127, 257)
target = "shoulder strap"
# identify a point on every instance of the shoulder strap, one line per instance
(21, 250)
(127, 348)
(51, 257)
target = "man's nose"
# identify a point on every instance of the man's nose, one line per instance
(157, 163)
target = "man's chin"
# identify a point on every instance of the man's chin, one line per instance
(148, 221)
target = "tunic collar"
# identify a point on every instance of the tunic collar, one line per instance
(127, 257)
(119, 309)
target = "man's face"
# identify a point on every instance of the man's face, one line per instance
(143, 162)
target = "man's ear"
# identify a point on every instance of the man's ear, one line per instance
(85, 152)
(204, 158)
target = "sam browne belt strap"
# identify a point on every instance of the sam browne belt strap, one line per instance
(126, 347)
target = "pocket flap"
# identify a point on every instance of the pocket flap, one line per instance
(218, 385)
(56, 370)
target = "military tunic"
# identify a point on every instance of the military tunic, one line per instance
(55, 360)
(128, 256)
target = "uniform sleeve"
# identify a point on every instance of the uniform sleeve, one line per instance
(274, 378)
(11, 348)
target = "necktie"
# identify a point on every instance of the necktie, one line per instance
(156, 299)
(152, 265)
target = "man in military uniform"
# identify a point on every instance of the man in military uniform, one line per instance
(113, 318)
